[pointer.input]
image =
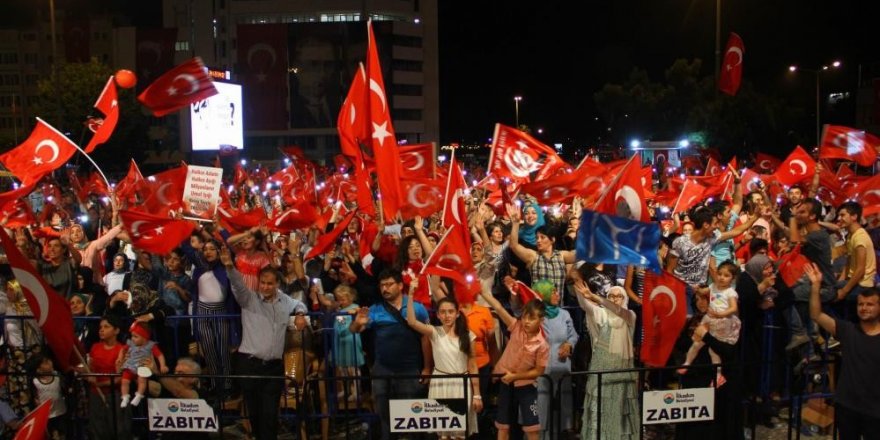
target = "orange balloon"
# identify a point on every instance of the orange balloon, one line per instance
(125, 78)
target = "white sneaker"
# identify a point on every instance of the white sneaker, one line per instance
(137, 399)
(125, 400)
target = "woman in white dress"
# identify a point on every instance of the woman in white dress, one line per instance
(452, 344)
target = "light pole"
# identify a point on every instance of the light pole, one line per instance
(817, 72)
(717, 43)
(516, 100)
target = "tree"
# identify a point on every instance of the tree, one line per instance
(66, 103)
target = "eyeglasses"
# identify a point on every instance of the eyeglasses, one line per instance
(615, 295)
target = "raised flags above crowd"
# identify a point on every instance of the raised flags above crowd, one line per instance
(731, 68)
(839, 142)
(604, 238)
(108, 104)
(179, 87)
(44, 151)
(798, 166)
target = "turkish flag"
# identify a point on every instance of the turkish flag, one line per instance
(96, 185)
(664, 311)
(34, 425)
(625, 195)
(352, 124)
(299, 216)
(452, 259)
(44, 151)
(178, 88)
(749, 181)
(261, 68)
(839, 142)
(165, 191)
(17, 213)
(422, 197)
(21, 192)
(524, 292)
(285, 177)
(867, 193)
(515, 154)
(418, 161)
(797, 167)
(713, 168)
(49, 308)
(240, 175)
(767, 163)
(454, 211)
(691, 194)
(237, 221)
(731, 69)
(154, 234)
(325, 241)
(384, 143)
(553, 164)
(108, 104)
(132, 184)
(791, 266)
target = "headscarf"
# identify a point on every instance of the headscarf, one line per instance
(545, 288)
(755, 267)
(527, 232)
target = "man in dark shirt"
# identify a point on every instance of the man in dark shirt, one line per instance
(804, 229)
(856, 408)
(398, 348)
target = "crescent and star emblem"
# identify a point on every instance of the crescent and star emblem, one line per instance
(633, 202)
(49, 143)
(800, 164)
(665, 291)
(739, 54)
(193, 84)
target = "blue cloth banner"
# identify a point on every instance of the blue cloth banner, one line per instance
(615, 240)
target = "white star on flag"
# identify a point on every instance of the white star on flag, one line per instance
(380, 132)
(172, 91)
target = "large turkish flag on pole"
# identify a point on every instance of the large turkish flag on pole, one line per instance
(731, 67)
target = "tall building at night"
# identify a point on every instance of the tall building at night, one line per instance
(295, 60)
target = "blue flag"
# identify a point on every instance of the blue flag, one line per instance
(615, 240)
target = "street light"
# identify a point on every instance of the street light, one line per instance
(516, 100)
(817, 72)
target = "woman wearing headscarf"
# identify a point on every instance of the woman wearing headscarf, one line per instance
(756, 293)
(611, 328)
(560, 334)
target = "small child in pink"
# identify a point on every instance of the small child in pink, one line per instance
(139, 348)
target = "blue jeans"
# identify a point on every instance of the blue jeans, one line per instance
(392, 388)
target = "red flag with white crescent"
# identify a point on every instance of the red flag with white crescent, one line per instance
(732, 67)
(157, 235)
(49, 308)
(166, 191)
(625, 195)
(797, 167)
(133, 183)
(515, 154)
(839, 142)
(301, 215)
(767, 163)
(421, 197)
(691, 194)
(44, 151)
(108, 104)
(664, 311)
(328, 239)
(454, 211)
(452, 259)
(384, 142)
(34, 425)
(418, 161)
(179, 87)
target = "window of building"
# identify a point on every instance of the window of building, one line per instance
(406, 65)
(408, 89)
(181, 46)
(407, 41)
(408, 114)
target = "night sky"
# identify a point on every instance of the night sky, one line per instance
(557, 56)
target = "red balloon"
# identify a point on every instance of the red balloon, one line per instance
(125, 78)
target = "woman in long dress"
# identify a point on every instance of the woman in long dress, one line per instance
(452, 345)
(611, 327)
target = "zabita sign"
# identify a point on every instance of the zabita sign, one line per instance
(678, 406)
(193, 415)
(425, 415)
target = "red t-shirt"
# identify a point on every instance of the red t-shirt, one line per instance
(102, 360)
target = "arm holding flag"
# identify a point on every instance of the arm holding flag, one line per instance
(505, 317)
(737, 204)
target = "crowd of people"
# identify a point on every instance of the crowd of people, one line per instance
(245, 302)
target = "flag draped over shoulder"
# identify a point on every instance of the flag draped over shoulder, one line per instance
(49, 308)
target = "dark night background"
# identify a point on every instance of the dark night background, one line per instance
(556, 55)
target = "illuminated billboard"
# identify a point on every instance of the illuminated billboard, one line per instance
(217, 121)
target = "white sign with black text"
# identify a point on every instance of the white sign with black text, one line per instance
(425, 415)
(678, 406)
(194, 415)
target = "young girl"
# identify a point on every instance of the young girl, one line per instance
(139, 349)
(48, 386)
(524, 359)
(453, 348)
(347, 349)
(721, 318)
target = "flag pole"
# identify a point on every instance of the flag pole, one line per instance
(100, 171)
(88, 370)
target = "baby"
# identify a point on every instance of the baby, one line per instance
(139, 349)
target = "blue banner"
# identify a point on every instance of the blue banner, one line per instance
(615, 240)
